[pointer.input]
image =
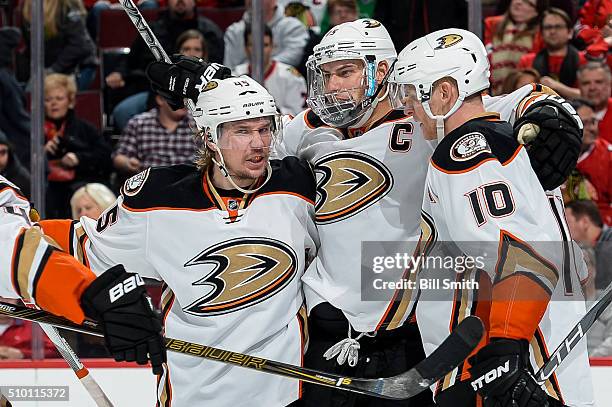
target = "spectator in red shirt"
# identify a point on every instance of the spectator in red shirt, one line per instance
(595, 83)
(595, 162)
(558, 62)
(595, 13)
(16, 338)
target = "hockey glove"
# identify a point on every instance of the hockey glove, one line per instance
(500, 374)
(552, 133)
(132, 329)
(186, 77)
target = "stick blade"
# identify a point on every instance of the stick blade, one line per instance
(454, 350)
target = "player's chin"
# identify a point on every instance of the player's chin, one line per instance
(255, 166)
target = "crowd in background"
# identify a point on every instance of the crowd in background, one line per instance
(562, 44)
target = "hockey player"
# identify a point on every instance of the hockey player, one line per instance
(371, 164)
(230, 238)
(480, 188)
(34, 269)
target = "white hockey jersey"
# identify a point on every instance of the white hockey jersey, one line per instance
(14, 221)
(369, 188)
(31, 266)
(231, 267)
(285, 83)
(483, 199)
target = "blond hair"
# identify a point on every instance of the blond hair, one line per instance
(52, 10)
(99, 193)
(204, 155)
(61, 81)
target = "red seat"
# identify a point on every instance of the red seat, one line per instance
(223, 17)
(88, 106)
(117, 30)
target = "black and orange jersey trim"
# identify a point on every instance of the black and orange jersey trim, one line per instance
(6, 186)
(541, 355)
(313, 121)
(502, 146)
(184, 187)
(476, 301)
(164, 387)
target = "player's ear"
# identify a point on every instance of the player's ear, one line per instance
(381, 71)
(447, 91)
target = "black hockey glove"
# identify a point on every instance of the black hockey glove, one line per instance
(552, 133)
(501, 375)
(132, 329)
(186, 77)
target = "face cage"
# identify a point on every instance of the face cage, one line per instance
(404, 95)
(332, 110)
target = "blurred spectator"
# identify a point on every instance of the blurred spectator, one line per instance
(160, 136)
(16, 338)
(424, 17)
(518, 79)
(588, 285)
(595, 13)
(68, 46)
(283, 81)
(338, 12)
(193, 44)
(130, 80)
(76, 151)
(586, 227)
(14, 119)
(11, 168)
(599, 337)
(291, 36)
(595, 83)
(595, 162)
(558, 62)
(91, 200)
(510, 36)
(316, 10)
(302, 13)
(568, 6)
(96, 7)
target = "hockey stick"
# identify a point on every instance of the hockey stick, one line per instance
(151, 40)
(81, 372)
(455, 348)
(575, 335)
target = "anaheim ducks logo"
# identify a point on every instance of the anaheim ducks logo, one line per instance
(448, 40)
(246, 272)
(347, 183)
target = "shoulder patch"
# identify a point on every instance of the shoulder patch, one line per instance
(173, 186)
(134, 184)
(473, 143)
(468, 146)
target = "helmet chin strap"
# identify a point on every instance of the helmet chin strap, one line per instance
(440, 118)
(368, 114)
(227, 175)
